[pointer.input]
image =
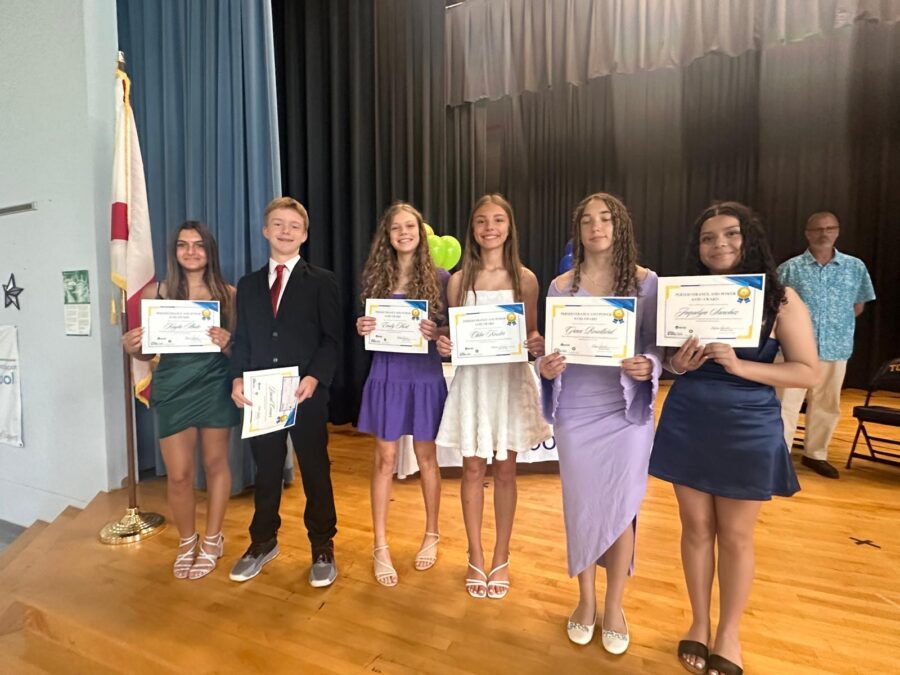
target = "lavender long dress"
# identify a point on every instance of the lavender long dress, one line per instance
(603, 423)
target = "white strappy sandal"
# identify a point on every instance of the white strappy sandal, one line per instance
(184, 561)
(503, 586)
(384, 572)
(427, 555)
(206, 561)
(477, 588)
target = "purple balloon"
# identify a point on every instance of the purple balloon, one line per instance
(565, 264)
(568, 250)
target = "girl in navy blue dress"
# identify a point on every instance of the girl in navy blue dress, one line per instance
(720, 439)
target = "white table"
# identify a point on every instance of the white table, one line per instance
(406, 456)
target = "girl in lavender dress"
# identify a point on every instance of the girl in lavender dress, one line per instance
(603, 420)
(404, 393)
(493, 410)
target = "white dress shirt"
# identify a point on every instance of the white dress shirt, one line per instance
(285, 274)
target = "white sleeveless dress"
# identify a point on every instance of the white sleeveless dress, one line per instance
(492, 409)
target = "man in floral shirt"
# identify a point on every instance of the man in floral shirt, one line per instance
(835, 287)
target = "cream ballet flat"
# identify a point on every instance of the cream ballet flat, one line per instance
(613, 642)
(579, 633)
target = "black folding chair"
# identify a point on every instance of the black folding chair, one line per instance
(887, 378)
(799, 441)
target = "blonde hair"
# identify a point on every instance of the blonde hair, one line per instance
(382, 269)
(286, 203)
(471, 260)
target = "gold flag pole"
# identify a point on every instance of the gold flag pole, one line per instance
(134, 525)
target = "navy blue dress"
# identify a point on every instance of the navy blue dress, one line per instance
(723, 435)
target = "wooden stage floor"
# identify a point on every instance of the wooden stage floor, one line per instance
(822, 602)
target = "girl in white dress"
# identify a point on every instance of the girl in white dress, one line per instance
(492, 411)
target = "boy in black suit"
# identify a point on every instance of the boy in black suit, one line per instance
(288, 314)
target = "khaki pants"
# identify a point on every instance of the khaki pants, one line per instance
(823, 410)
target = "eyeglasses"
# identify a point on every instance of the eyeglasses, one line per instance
(827, 229)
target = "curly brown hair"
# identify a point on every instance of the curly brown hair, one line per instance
(471, 259)
(382, 270)
(624, 246)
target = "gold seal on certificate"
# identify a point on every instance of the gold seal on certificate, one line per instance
(179, 326)
(713, 308)
(488, 334)
(274, 405)
(397, 326)
(591, 331)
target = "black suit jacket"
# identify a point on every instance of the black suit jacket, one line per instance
(305, 333)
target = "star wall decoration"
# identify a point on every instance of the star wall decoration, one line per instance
(11, 292)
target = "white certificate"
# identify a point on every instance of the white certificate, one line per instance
(591, 331)
(713, 308)
(178, 326)
(274, 406)
(397, 326)
(488, 334)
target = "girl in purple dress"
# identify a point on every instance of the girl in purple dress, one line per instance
(404, 393)
(603, 420)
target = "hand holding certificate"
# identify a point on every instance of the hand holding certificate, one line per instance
(272, 394)
(590, 330)
(711, 308)
(482, 334)
(179, 326)
(397, 326)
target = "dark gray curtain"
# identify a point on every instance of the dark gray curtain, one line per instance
(426, 154)
(363, 123)
(790, 130)
(324, 57)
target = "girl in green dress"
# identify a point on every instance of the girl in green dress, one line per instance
(192, 397)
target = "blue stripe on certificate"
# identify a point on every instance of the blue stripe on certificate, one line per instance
(622, 303)
(517, 308)
(752, 280)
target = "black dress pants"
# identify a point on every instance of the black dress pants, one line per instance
(310, 438)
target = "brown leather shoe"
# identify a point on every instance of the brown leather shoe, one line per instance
(820, 466)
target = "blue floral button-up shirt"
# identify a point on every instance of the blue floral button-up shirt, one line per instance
(830, 291)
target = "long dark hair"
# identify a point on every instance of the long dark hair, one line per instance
(382, 268)
(471, 259)
(176, 281)
(624, 254)
(756, 256)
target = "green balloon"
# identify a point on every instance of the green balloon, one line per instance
(452, 252)
(436, 246)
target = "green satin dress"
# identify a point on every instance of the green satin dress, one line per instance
(192, 390)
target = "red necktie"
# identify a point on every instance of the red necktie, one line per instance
(275, 291)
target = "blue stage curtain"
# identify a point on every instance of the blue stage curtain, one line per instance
(203, 92)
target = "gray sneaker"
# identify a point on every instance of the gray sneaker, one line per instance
(251, 563)
(324, 570)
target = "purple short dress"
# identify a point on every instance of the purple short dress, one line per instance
(405, 393)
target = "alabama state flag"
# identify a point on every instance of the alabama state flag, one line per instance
(130, 244)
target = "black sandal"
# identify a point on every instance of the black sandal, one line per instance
(723, 666)
(693, 648)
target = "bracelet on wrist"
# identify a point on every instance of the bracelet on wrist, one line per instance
(674, 371)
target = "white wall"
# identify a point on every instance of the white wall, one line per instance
(57, 64)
